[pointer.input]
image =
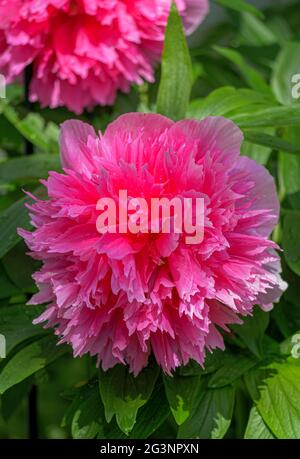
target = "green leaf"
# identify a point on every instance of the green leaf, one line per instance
(27, 168)
(20, 267)
(255, 32)
(29, 360)
(251, 76)
(212, 415)
(225, 100)
(289, 169)
(241, 6)
(256, 428)
(123, 394)
(176, 70)
(252, 331)
(290, 345)
(233, 367)
(10, 219)
(7, 287)
(182, 393)
(16, 324)
(279, 399)
(273, 142)
(13, 397)
(32, 127)
(273, 116)
(259, 153)
(213, 360)
(148, 420)
(15, 216)
(291, 240)
(85, 415)
(287, 64)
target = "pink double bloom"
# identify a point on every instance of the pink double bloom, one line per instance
(121, 296)
(84, 51)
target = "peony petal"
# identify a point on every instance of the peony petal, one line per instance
(263, 194)
(216, 135)
(74, 152)
(135, 124)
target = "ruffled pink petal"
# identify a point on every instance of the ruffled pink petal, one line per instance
(215, 134)
(74, 151)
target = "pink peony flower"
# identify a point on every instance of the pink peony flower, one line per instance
(84, 51)
(121, 296)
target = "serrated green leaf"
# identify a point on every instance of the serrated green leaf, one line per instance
(256, 428)
(279, 399)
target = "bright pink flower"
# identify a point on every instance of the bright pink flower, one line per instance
(121, 296)
(84, 51)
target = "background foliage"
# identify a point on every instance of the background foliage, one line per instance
(240, 68)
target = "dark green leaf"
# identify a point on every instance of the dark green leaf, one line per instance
(16, 324)
(212, 415)
(12, 398)
(233, 367)
(148, 420)
(252, 331)
(7, 287)
(291, 240)
(15, 216)
(182, 393)
(123, 394)
(19, 267)
(26, 168)
(275, 143)
(85, 415)
(29, 360)
(251, 76)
